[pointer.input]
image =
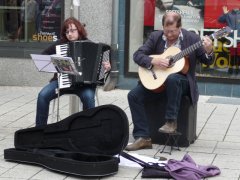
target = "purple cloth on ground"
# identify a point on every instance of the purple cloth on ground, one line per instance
(187, 169)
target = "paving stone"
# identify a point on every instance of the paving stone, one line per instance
(218, 140)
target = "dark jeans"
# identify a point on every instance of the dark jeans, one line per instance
(48, 93)
(176, 86)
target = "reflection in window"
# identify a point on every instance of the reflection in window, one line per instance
(30, 20)
(198, 16)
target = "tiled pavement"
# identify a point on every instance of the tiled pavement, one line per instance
(218, 143)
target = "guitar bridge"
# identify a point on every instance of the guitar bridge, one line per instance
(171, 62)
(153, 73)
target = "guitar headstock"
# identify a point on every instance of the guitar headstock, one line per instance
(221, 33)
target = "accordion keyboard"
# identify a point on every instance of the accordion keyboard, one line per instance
(62, 49)
(64, 81)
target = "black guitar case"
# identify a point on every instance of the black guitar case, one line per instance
(87, 143)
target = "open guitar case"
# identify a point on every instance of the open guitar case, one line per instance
(87, 143)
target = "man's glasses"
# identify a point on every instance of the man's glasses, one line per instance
(170, 31)
(70, 31)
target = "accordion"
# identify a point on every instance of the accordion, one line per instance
(88, 58)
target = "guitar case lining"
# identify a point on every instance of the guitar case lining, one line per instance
(84, 144)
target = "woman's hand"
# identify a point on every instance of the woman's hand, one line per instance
(107, 66)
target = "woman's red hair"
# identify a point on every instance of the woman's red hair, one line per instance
(80, 27)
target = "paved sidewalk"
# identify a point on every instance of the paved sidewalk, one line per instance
(218, 130)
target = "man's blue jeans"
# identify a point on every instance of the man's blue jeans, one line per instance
(48, 93)
(176, 86)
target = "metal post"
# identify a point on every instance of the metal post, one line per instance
(113, 77)
(74, 101)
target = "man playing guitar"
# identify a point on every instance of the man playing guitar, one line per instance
(176, 84)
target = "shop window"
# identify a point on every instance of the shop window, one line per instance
(30, 20)
(199, 16)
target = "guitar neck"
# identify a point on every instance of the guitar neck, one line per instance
(189, 50)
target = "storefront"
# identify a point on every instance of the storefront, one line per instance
(204, 17)
(28, 24)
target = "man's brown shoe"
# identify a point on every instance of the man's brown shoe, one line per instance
(140, 143)
(168, 127)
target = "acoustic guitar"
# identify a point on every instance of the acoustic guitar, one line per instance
(154, 79)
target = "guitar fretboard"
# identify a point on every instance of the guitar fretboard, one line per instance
(187, 51)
